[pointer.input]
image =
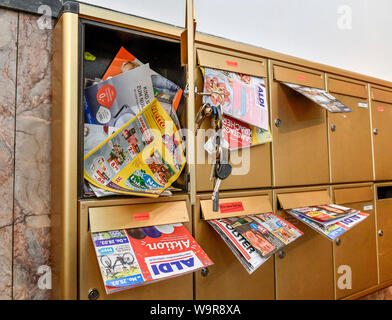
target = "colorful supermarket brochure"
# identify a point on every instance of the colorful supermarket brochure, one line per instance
(331, 231)
(242, 97)
(321, 97)
(130, 258)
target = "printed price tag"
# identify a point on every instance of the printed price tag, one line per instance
(301, 77)
(141, 216)
(231, 207)
(362, 105)
(380, 109)
(369, 207)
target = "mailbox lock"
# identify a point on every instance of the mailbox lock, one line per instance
(282, 254)
(205, 272)
(333, 128)
(93, 294)
(380, 233)
(375, 131)
(278, 122)
(338, 241)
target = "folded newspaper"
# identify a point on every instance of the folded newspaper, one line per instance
(130, 258)
(143, 157)
(330, 220)
(253, 239)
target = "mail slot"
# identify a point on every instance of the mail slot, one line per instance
(304, 269)
(251, 166)
(227, 278)
(383, 192)
(382, 131)
(95, 216)
(349, 133)
(355, 252)
(300, 149)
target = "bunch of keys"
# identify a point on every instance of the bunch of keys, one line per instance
(221, 168)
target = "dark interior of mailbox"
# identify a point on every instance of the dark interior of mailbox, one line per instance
(103, 42)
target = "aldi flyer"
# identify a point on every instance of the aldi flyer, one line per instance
(133, 257)
(143, 157)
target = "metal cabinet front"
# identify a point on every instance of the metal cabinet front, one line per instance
(161, 212)
(227, 278)
(382, 131)
(304, 269)
(251, 166)
(299, 146)
(355, 252)
(350, 145)
(383, 195)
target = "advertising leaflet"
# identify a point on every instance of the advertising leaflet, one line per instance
(143, 157)
(239, 134)
(266, 232)
(130, 258)
(319, 96)
(165, 90)
(335, 230)
(327, 214)
(240, 246)
(115, 101)
(242, 97)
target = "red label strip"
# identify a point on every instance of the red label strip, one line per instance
(141, 216)
(231, 207)
(301, 77)
(232, 63)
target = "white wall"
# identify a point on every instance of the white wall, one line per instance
(349, 34)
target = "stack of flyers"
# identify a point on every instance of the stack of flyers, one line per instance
(130, 258)
(253, 239)
(334, 230)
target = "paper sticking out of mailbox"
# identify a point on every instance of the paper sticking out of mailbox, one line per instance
(319, 96)
(130, 258)
(330, 220)
(143, 157)
(244, 104)
(254, 239)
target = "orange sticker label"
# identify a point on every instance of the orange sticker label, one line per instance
(232, 63)
(231, 207)
(380, 109)
(301, 77)
(141, 216)
(106, 95)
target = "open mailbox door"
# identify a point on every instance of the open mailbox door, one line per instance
(251, 166)
(106, 215)
(218, 281)
(308, 261)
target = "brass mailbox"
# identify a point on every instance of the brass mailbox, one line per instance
(257, 159)
(382, 131)
(350, 146)
(383, 194)
(299, 146)
(304, 269)
(106, 215)
(227, 278)
(357, 248)
(82, 28)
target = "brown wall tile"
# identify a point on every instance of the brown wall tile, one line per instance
(8, 49)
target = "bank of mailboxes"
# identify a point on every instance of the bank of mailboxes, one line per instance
(103, 215)
(311, 147)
